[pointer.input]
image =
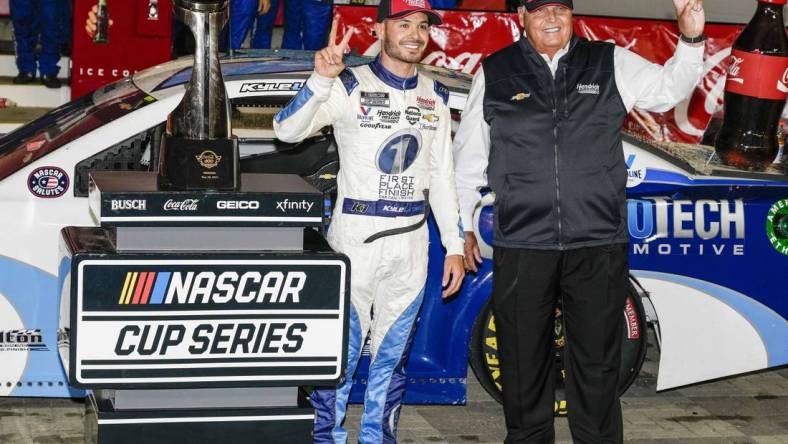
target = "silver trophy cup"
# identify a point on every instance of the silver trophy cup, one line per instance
(198, 150)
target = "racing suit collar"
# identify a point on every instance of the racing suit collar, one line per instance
(390, 78)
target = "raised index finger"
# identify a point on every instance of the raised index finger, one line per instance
(332, 35)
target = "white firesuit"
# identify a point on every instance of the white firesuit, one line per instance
(394, 140)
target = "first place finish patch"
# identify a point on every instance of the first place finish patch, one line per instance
(48, 182)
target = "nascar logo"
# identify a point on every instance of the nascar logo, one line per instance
(149, 287)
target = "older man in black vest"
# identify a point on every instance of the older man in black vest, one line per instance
(542, 128)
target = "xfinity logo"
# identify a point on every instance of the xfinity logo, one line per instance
(237, 205)
(287, 204)
(128, 204)
(181, 205)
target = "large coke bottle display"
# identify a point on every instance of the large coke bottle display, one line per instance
(755, 91)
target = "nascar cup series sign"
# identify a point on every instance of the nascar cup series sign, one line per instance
(229, 322)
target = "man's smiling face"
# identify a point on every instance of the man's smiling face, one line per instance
(405, 39)
(548, 28)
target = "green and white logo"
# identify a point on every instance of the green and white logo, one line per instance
(777, 226)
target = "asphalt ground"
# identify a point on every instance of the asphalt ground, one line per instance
(745, 409)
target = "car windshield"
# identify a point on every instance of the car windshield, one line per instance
(67, 123)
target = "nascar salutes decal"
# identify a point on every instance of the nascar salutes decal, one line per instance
(48, 182)
(777, 226)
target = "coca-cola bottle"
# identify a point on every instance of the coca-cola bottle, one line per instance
(102, 23)
(755, 91)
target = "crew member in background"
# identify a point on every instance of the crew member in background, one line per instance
(393, 132)
(243, 15)
(306, 23)
(542, 128)
(36, 21)
(264, 27)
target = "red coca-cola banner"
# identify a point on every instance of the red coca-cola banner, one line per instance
(466, 38)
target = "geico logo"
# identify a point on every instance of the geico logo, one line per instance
(211, 339)
(129, 204)
(237, 204)
(252, 286)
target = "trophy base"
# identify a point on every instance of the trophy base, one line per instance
(189, 164)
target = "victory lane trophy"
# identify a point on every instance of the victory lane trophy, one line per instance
(200, 302)
(198, 150)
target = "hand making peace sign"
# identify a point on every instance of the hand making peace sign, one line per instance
(328, 61)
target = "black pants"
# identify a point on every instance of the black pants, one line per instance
(592, 283)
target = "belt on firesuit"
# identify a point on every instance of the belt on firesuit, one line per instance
(389, 208)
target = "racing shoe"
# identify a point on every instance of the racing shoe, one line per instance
(23, 78)
(51, 81)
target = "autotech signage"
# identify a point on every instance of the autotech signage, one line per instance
(704, 227)
(174, 323)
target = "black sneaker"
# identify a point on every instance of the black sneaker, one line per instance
(23, 79)
(51, 81)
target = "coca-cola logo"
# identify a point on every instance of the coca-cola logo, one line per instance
(782, 85)
(734, 69)
(181, 205)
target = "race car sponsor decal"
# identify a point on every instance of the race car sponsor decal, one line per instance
(379, 99)
(412, 114)
(429, 122)
(271, 86)
(425, 103)
(636, 173)
(777, 226)
(365, 114)
(48, 182)
(662, 226)
(181, 205)
(631, 320)
(22, 340)
(387, 116)
(128, 204)
(168, 321)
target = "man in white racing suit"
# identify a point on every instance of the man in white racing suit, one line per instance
(392, 127)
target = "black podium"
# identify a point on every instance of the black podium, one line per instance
(194, 316)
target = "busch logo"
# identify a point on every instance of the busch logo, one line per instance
(237, 205)
(128, 204)
(660, 222)
(285, 205)
(183, 205)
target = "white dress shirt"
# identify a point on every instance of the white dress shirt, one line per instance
(639, 82)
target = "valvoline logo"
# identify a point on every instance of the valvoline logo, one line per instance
(205, 287)
(663, 226)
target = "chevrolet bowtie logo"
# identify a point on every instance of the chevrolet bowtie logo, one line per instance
(520, 96)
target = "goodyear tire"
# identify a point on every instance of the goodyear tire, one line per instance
(484, 354)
